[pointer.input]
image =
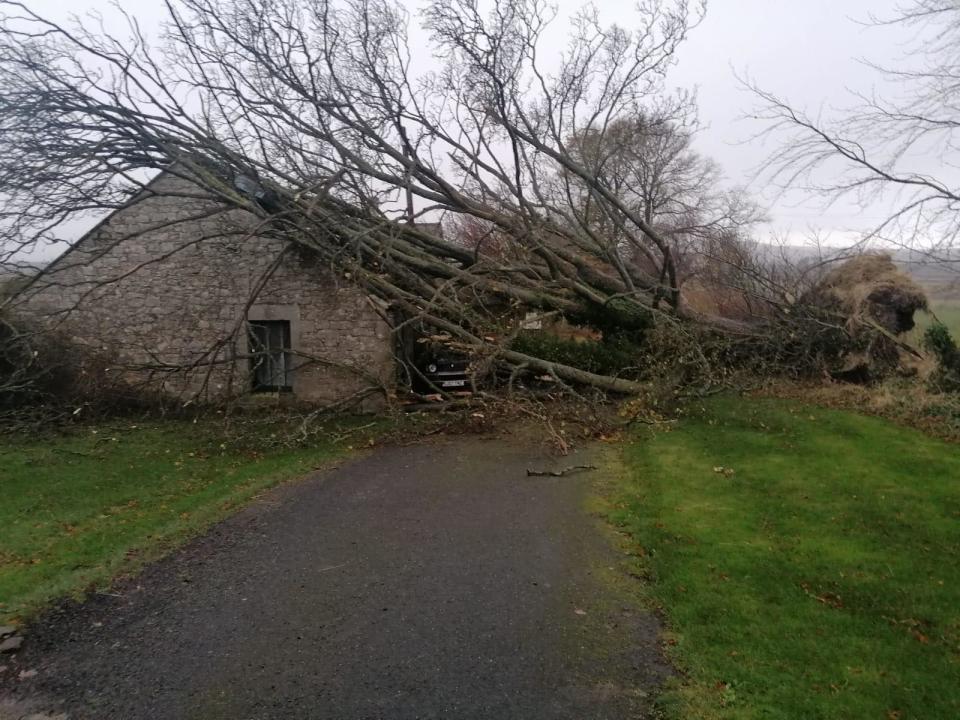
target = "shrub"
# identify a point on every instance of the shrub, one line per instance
(18, 365)
(611, 356)
(45, 378)
(938, 341)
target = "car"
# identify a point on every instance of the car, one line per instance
(432, 361)
(446, 371)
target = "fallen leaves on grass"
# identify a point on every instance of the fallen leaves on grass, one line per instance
(826, 598)
(917, 628)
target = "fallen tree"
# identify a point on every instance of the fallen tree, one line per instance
(877, 302)
(307, 116)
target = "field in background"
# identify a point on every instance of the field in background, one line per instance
(947, 311)
(804, 559)
(941, 281)
(80, 509)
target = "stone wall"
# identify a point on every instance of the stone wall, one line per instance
(163, 289)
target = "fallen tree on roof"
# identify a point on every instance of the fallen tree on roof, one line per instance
(307, 115)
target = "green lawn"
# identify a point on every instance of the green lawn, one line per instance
(807, 562)
(78, 510)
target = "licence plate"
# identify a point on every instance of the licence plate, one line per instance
(453, 383)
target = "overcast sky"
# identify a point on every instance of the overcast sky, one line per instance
(805, 50)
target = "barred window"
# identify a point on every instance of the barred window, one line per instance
(270, 357)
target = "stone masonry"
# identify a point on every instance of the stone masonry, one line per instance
(164, 288)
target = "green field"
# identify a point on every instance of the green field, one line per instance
(80, 509)
(947, 311)
(805, 561)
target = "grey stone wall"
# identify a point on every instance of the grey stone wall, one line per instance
(164, 288)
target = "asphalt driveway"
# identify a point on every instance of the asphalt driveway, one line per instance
(428, 581)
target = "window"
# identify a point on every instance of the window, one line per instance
(270, 357)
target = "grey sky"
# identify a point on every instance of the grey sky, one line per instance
(806, 51)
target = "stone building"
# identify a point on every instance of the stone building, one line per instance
(183, 297)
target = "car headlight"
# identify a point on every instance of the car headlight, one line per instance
(431, 368)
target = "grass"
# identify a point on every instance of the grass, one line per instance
(905, 401)
(949, 315)
(78, 510)
(806, 561)
(947, 312)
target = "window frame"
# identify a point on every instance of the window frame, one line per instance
(284, 353)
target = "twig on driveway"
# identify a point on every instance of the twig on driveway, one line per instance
(559, 473)
(344, 435)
